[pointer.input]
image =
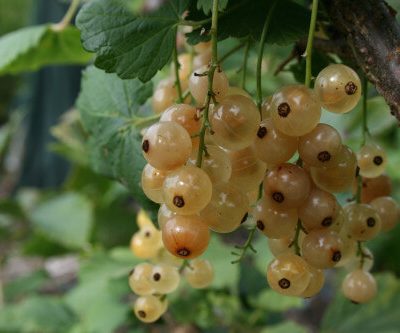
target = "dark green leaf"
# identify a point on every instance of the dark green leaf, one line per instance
(226, 274)
(103, 283)
(108, 107)
(206, 5)
(67, 219)
(270, 300)
(129, 45)
(30, 48)
(25, 285)
(289, 22)
(285, 327)
(37, 314)
(379, 315)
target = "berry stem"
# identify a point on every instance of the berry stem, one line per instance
(176, 68)
(310, 40)
(184, 264)
(261, 53)
(361, 253)
(245, 59)
(295, 242)
(141, 122)
(211, 71)
(247, 245)
(66, 20)
(365, 130)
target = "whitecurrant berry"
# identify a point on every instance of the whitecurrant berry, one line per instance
(227, 209)
(139, 279)
(363, 221)
(152, 182)
(148, 308)
(186, 236)
(320, 147)
(338, 87)
(166, 145)
(288, 274)
(295, 110)
(234, 122)
(322, 248)
(372, 160)
(359, 286)
(272, 222)
(199, 273)
(272, 146)
(164, 278)
(187, 190)
(287, 186)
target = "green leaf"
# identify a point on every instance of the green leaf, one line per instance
(206, 5)
(25, 285)
(31, 48)
(67, 219)
(103, 282)
(272, 301)
(226, 274)
(289, 22)
(108, 107)
(285, 327)
(37, 314)
(129, 45)
(379, 315)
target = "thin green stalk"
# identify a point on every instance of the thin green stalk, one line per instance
(310, 40)
(365, 130)
(142, 122)
(184, 264)
(261, 53)
(176, 69)
(295, 242)
(230, 52)
(245, 60)
(210, 95)
(247, 246)
(66, 20)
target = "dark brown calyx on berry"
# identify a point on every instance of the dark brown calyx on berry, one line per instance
(371, 222)
(283, 109)
(336, 256)
(142, 314)
(278, 197)
(178, 201)
(183, 252)
(244, 218)
(260, 225)
(131, 271)
(327, 221)
(156, 276)
(378, 160)
(147, 234)
(284, 283)
(262, 131)
(350, 88)
(324, 156)
(146, 146)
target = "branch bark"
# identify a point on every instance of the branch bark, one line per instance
(373, 34)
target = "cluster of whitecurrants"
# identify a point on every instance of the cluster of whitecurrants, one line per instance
(152, 281)
(213, 182)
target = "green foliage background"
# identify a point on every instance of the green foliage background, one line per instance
(92, 216)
